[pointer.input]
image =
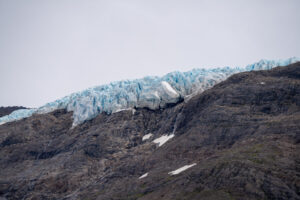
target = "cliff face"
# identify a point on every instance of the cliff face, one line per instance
(243, 135)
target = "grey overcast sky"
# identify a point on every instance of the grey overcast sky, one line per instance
(51, 48)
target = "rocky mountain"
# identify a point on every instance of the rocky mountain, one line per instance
(238, 140)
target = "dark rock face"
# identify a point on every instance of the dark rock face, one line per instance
(7, 110)
(243, 134)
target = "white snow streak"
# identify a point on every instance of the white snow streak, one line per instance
(120, 110)
(133, 111)
(146, 137)
(143, 176)
(156, 94)
(169, 89)
(163, 139)
(181, 169)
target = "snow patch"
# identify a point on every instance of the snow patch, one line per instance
(146, 137)
(120, 110)
(133, 111)
(181, 169)
(156, 95)
(163, 139)
(143, 176)
(169, 89)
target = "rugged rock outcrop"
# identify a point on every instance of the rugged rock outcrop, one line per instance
(243, 135)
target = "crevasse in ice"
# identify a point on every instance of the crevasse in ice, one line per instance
(150, 92)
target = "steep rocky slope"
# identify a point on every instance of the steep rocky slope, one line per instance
(243, 135)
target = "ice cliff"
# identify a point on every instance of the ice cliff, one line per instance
(150, 92)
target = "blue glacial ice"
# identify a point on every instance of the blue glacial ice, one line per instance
(150, 92)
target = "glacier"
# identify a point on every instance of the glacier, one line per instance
(151, 92)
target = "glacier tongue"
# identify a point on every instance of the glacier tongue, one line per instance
(150, 92)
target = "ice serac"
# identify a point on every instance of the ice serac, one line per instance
(149, 92)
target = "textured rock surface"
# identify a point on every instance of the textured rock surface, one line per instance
(243, 135)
